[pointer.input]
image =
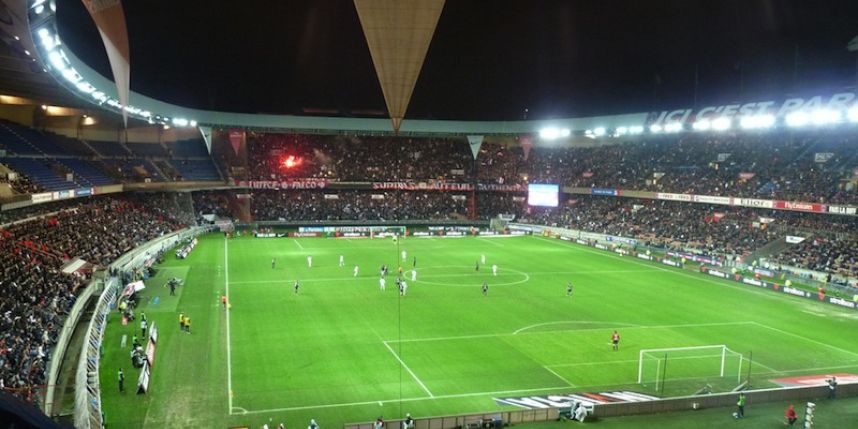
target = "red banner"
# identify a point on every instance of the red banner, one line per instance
(747, 176)
(526, 145)
(236, 139)
(422, 186)
(800, 206)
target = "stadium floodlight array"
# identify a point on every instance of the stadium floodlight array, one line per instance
(56, 61)
(553, 133)
(687, 363)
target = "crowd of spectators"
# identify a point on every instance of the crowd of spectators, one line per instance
(356, 158)
(37, 294)
(816, 166)
(357, 205)
(837, 255)
(211, 202)
(22, 185)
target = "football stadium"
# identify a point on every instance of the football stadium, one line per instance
(419, 214)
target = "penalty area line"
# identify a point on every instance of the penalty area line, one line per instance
(413, 375)
(423, 398)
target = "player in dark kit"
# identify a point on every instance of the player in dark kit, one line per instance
(414, 262)
(485, 289)
(273, 263)
(615, 340)
(297, 285)
(569, 289)
(477, 267)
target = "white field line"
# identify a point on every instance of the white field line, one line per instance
(435, 276)
(583, 322)
(756, 362)
(299, 244)
(465, 337)
(423, 398)
(762, 325)
(503, 392)
(228, 346)
(558, 376)
(413, 375)
(492, 242)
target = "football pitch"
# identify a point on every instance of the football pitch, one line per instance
(342, 350)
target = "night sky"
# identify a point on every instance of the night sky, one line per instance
(488, 59)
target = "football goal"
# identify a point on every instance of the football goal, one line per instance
(701, 363)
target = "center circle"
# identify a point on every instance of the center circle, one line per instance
(477, 278)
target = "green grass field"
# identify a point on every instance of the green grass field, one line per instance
(342, 351)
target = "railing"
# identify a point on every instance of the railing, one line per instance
(471, 421)
(88, 412)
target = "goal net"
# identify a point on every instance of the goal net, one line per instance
(708, 364)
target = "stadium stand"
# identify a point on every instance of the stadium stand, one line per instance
(37, 294)
(40, 171)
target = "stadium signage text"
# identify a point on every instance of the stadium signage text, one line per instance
(840, 101)
(285, 184)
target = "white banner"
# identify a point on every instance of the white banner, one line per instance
(791, 239)
(713, 200)
(475, 142)
(750, 202)
(207, 137)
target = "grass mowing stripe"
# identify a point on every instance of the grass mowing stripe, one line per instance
(228, 342)
(465, 337)
(454, 396)
(413, 375)
(806, 339)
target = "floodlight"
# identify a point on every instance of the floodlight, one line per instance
(655, 128)
(673, 127)
(797, 119)
(599, 132)
(702, 125)
(179, 122)
(621, 131)
(722, 124)
(565, 132)
(637, 129)
(57, 60)
(825, 116)
(853, 114)
(549, 133)
(193, 123)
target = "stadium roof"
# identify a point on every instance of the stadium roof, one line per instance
(509, 61)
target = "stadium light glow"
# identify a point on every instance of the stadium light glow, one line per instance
(655, 128)
(757, 122)
(637, 129)
(193, 123)
(673, 127)
(796, 119)
(552, 133)
(599, 132)
(621, 131)
(702, 125)
(179, 122)
(825, 117)
(853, 114)
(722, 124)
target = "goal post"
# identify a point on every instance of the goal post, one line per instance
(693, 362)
